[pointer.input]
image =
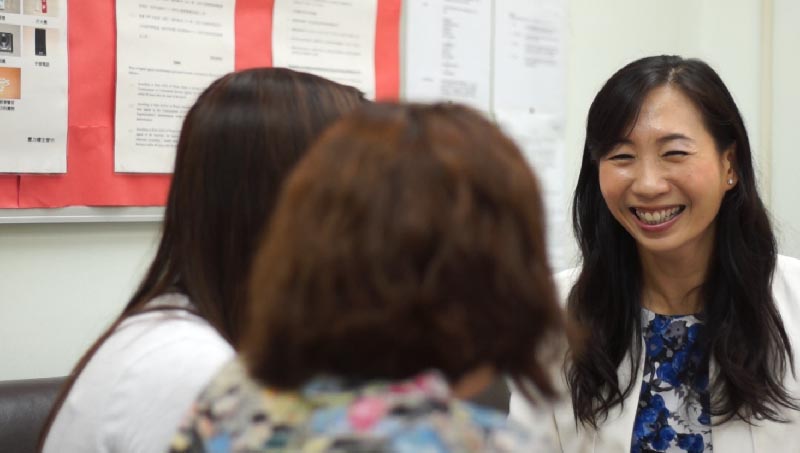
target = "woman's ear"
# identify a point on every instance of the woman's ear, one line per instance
(729, 165)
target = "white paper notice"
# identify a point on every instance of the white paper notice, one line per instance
(529, 99)
(334, 39)
(168, 51)
(448, 51)
(529, 56)
(541, 139)
(33, 86)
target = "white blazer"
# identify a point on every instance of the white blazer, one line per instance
(735, 436)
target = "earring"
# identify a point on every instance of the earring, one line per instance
(730, 181)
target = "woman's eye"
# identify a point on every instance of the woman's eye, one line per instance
(621, 157)
(675, 153)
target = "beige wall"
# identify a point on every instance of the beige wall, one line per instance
(785, 132)
(11, 6)
(60, 285)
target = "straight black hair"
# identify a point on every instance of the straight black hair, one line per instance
(238, 143)
(737, 295)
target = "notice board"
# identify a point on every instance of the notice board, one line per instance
(90, 188)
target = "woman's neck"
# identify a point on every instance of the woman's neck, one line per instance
(671, 284)
(473, 382)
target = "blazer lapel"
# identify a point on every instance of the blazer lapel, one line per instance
(733, 435)
(615, 433)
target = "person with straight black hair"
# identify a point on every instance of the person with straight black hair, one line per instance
(238, 142)
(692, 318)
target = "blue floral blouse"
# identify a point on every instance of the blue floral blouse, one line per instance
(674, 403)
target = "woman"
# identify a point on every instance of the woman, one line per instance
(402, 267)
(693, 318)
(238, 142)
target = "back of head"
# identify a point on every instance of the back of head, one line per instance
(238, 142)
(411, 237)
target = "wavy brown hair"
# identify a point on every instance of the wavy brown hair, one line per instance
(238, 142)
(411, 237)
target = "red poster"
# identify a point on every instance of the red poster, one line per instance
(387, 51)
(9, 192)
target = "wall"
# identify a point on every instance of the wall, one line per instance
(61, 284)
(785, 165)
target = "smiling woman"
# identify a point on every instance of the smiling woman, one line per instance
(690, 313)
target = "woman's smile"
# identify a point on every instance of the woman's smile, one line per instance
(656, 220)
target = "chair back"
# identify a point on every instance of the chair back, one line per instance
(24, 405)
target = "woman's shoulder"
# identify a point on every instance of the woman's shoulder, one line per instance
(564, 281)
(159, 343)
(137, 385)
(168, 328)
(161, 359)
(786, 288)
(786, 279)
(787, 266)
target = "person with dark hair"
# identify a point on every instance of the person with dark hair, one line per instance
(239, 140)
(402, 269)
(693, 319)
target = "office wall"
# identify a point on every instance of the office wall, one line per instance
(61, 284)
(785, 165)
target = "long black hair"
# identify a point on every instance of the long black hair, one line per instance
(746, 337)
(238, 143)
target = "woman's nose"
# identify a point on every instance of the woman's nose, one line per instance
(649, 181)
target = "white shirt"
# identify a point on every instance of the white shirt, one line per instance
(136, 388)
(735, 436)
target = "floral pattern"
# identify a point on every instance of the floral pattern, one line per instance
(674, 403)
(331, 415)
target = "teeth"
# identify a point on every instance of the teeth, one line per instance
(657, 217)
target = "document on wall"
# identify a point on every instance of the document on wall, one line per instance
(529, 56)
(334, 39)
(33, 86)
(168, 51)
(448, 51)
(541, 140)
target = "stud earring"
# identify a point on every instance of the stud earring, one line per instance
(730, 181)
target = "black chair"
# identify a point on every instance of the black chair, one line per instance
(24, 405)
